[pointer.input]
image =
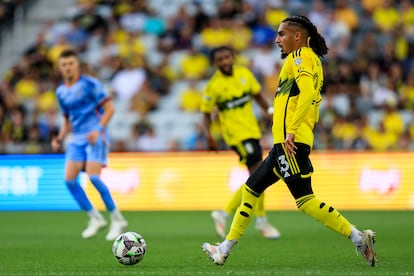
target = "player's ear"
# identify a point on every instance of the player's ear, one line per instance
(298, 35)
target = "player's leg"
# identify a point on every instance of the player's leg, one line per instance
(262, 178)
(75, 157)
(334, 220)
(97, 155)
(220, 217)
(255, 186)
(253, 160)
(250, 154)
(72, 170)
(301, 190)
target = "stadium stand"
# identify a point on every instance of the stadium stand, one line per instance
(157, 45)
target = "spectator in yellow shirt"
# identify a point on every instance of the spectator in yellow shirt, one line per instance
(194, 66)
(406, 92)
(380, 139)
(190, 98)
(386, 17)
(26, 88)
(392, 120)
(346, 14)
(215, 34)
(275, 13)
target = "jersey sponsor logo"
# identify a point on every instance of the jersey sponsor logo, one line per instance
(234, 103)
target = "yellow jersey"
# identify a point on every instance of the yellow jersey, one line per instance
(232, 95)
(298, 96)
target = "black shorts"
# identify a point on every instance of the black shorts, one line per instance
(292, 167)
(278, 165)
(249, 151)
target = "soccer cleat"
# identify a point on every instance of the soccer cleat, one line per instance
(213, 252)
(94, 225)
(116, 228)
(367, 248)
(220, 220)
(267, 230)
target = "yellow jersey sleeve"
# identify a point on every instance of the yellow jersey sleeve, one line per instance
(296, 103)
(303, 76)
(208, 100)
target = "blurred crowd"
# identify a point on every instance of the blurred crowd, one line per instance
(9, 10)
(153, 57)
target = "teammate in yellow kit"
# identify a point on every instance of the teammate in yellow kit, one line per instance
(296, 111)
(231, 90)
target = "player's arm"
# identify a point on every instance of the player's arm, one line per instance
(256, 87)
(305, 85)
(207, 107)
(64, 129)
(109, 111)
(307, 91)
(302, 70)
(267, 109)
(211, 142)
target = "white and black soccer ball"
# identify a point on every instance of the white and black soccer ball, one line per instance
(129, 248)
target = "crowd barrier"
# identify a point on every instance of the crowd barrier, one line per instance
(205, 181)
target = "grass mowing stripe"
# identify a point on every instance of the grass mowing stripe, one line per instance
(49, 243)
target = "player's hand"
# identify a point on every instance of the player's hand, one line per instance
(290, 144)
(93, 136)
(56, 144)
(211, 143)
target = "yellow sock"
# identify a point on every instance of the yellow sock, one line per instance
(244, 214)
(235, 201)
(325, 214)
(260, 210)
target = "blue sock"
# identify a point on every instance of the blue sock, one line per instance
(103, 191)
(79, 194)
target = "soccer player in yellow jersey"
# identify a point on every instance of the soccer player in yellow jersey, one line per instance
(231, 90)
(296, 111)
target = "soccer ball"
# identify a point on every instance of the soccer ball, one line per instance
(129, 248)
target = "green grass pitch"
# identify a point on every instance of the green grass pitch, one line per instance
(49, 243)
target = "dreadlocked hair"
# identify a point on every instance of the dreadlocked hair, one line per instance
(316, 41)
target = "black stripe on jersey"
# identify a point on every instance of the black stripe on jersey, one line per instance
(284, 118)
(294, 90)
(297, 53)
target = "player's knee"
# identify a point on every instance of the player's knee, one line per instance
(71, 183)
(99, 185)
(251, 191)
(300, 187)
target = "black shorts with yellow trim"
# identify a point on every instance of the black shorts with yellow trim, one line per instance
(293, 167)
(249, 152)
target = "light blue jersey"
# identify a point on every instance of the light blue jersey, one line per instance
(82, 104)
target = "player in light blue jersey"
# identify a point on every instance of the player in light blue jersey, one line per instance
(87, 110)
